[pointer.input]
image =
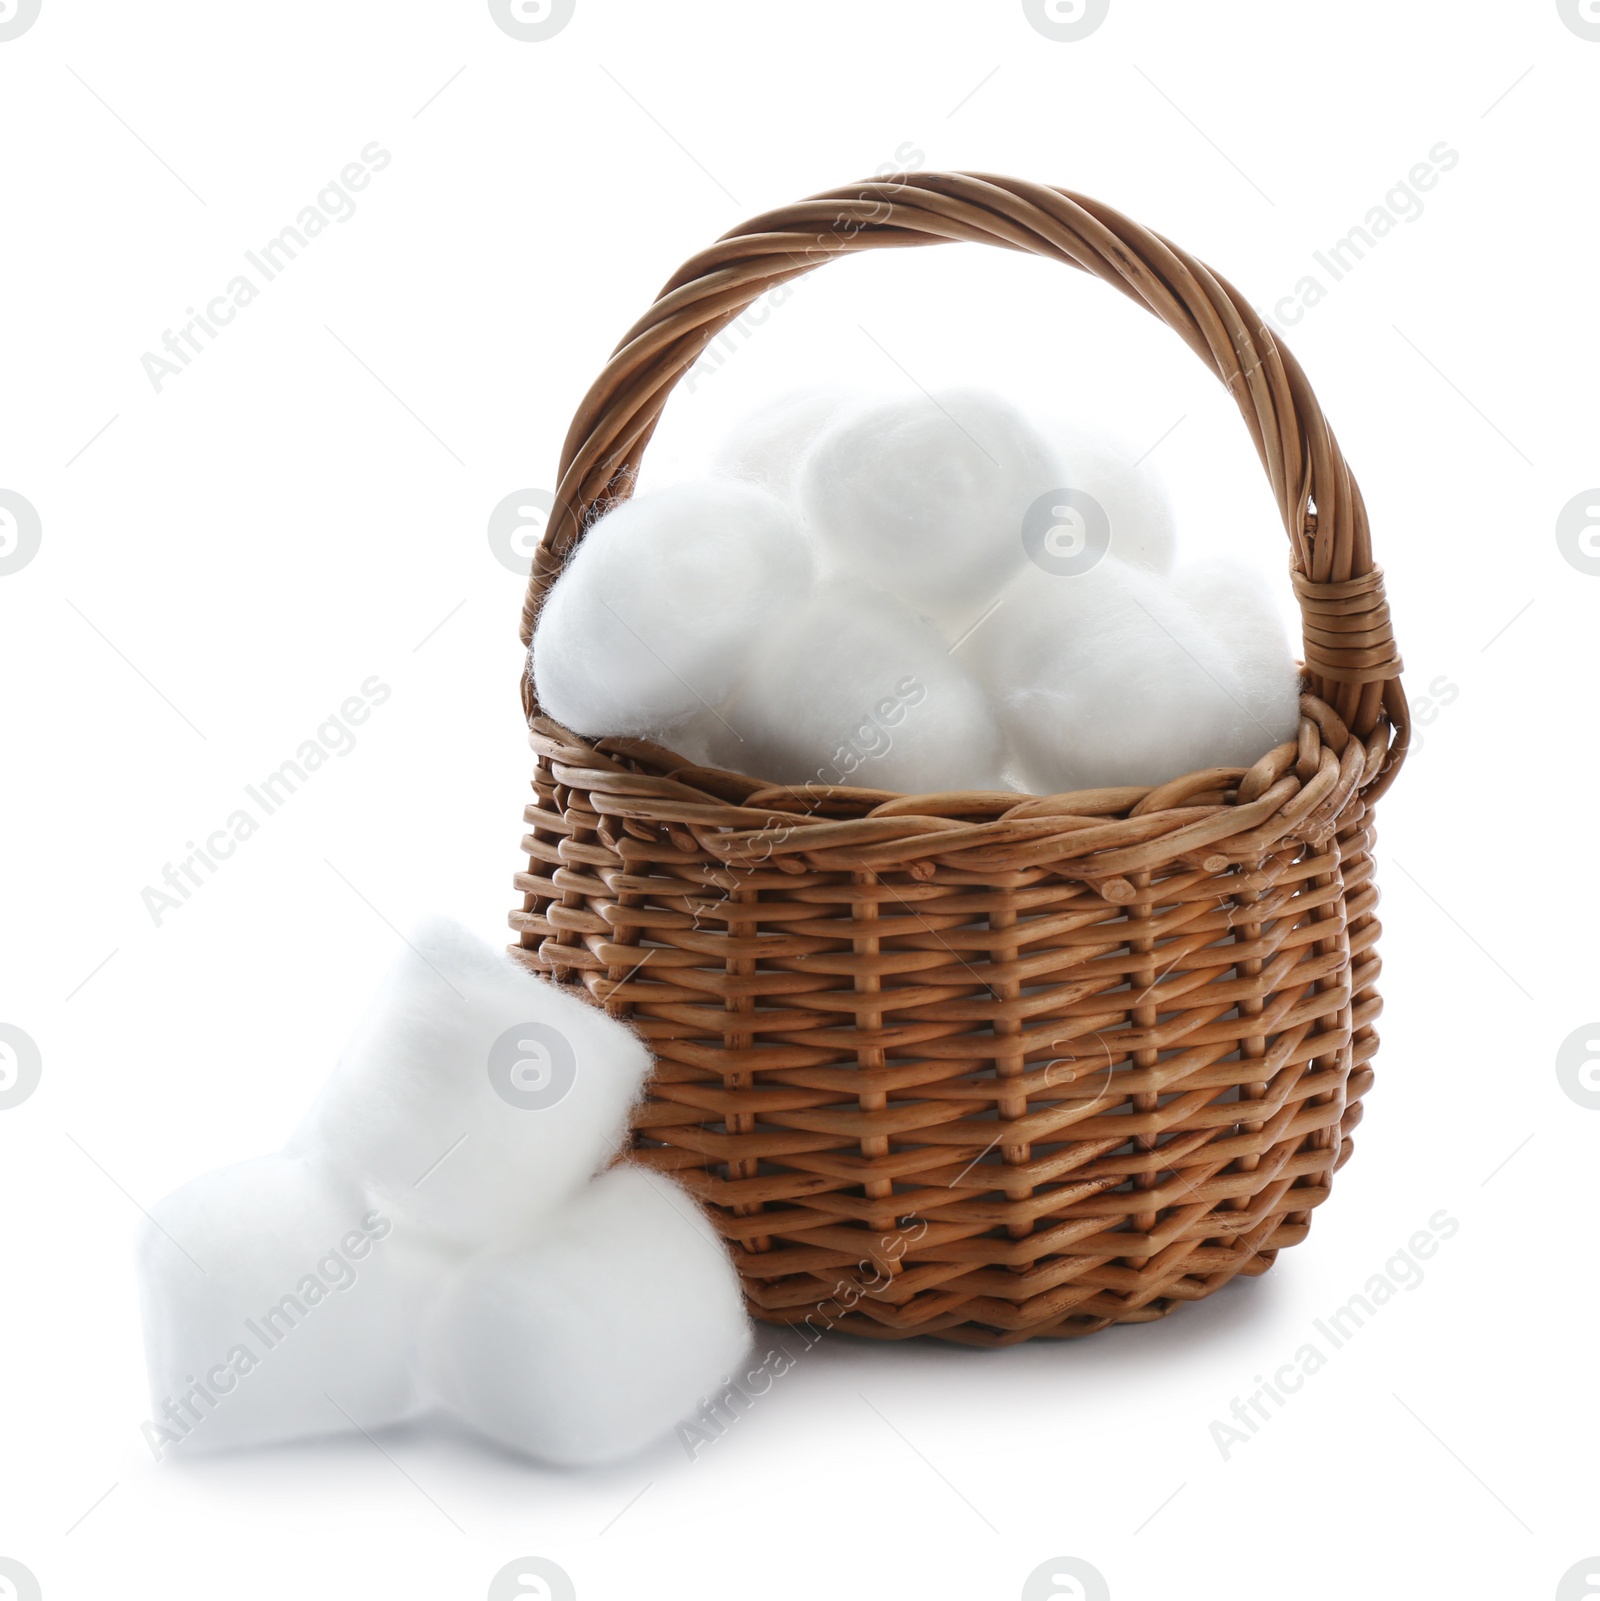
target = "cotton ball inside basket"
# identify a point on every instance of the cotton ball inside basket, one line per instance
(278, 1303)
(925, 498)
(594, 1340)
(1129, 490)
(651, 618)
(1236, 605)
(767, 446)
(858, 691)
(1104, 677)
(474, 1096)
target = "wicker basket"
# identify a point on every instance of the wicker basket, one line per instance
(973, 1065)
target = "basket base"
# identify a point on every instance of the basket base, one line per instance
(961, 1330)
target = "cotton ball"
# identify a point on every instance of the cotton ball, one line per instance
(596, 1339)
(474, 1096)
(1236, 605)
(767, 446)
(666, 594)
(692, 740)
(1104, 677)
(925, 497)
(1129, 490)
(278, 1303)
(860, 692)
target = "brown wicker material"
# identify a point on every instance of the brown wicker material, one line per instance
(984, 1066)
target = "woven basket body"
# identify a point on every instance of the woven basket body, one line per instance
(986, 1066)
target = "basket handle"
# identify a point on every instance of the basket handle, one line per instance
(1349, 654)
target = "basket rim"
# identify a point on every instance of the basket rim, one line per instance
(1210, 819)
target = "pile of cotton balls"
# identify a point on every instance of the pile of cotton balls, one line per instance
(443, 1232)
(919, 595)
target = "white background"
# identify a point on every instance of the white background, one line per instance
(225, 561)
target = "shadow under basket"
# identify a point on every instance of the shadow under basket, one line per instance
(985, 1066)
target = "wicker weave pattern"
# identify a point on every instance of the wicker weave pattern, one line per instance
(974, 1065)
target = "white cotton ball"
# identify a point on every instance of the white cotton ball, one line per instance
(278, 1303)
(692, 740)
(1105, 677)
(925, 497)
(650, 619)
(857, 691)
(1129, 489)
(766, 447)
(474, 1096)
(1235, 603)
(596, 1339)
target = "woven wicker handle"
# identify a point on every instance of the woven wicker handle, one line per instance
(1349, 643)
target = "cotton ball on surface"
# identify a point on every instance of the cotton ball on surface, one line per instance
(665, 595)
(925, 498)
(1130, 492)
(766, 448)
(1236, 605)
(474, 1096)
(596, 1339)
(274, 1296)
(1104, 677)
(857, 691)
